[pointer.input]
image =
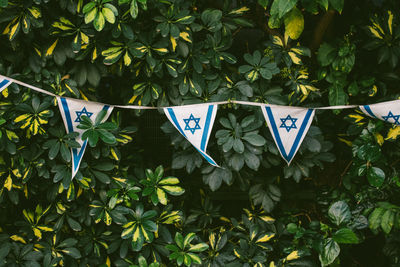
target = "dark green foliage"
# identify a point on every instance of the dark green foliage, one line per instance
(336, 204)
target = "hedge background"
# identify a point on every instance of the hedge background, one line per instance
(337, 204)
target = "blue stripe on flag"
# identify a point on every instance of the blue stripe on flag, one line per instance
(3, 83)
(67, 114)
(206, 128)
(276, 133)
(209, 159)
(300, 133)
(175, 121)
(368, 109)
(278, 138)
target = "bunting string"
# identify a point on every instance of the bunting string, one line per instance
(288, 124)
(246, 103)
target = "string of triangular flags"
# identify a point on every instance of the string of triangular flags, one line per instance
(288, 125)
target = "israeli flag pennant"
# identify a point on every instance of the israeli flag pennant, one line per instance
(195, 123)
(288, 126)
(4, 83)
(71, 112)
(387, 111)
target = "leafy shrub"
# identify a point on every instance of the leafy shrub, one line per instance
(336, 204)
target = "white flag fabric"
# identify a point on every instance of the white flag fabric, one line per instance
(386, 111)
(195, 123)
(71, 112)
(4, 83)
(288, 126)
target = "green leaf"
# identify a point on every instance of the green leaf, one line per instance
(326, 54)
(330, 251)
(294, 23)
(375, 218)
(107, 137)
(263, 3)
(345, 236)
(73, 252)
(99, 21)
(284, 6)
(254, 139)
(69, 242)
(324, 4)
(188, 238)
(238, 145)
(337, 96)
(387, 221)
(198, 247)
(179, 240)
(375, 176)
(134, 9)
(339, 213)
(337, 4)
(3, 3)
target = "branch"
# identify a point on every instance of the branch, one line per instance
(321, 28)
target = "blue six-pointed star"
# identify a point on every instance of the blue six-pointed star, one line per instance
(394, 117)
(82, 112)
(284, 125)
(190, 128)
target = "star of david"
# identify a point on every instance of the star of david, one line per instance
(82, 112)
(394, 117)
(196, 124)
(292, 126)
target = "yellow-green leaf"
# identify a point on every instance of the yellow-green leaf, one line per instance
(390, 21)
(28, 215)
(22, 117)
(89, 17)
(109, 15)
(37, 233)
(295, 58)
(173, 190)
(14, 30)
(240, 11)
(375, 32)
(162, 197)
(161, 50)
(265, 238)
(173, 43)
(107, 218)
(127, 59)
(8, 183)
(99, 21)
(266, 218)
(185, 36)
(45, 228)
(35, 12)
(169, 181)
(18, 238)
(393, 133)
(50, 50)
(236, 253)
(136, 234)
(293, 255)
(294, 23)
(127, 232)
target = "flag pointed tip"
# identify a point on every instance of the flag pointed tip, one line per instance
(288, 127)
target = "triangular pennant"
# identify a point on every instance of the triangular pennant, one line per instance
(288, 126)
(386, 111)
(71, 112)
(4, 83)
(195, 123)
